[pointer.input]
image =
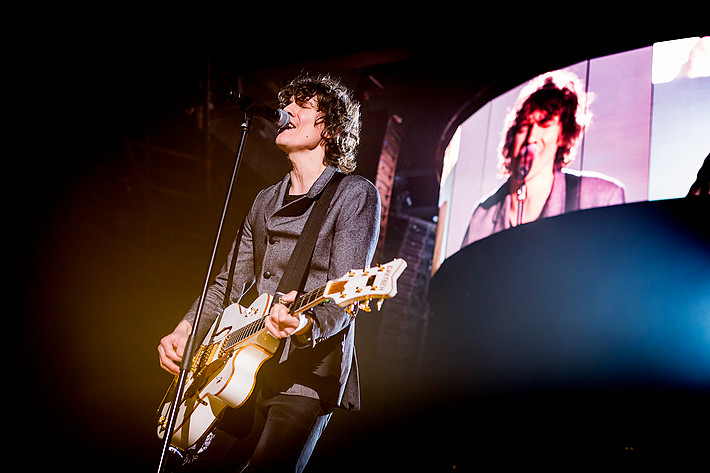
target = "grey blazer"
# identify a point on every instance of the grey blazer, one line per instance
(594, 190)
(324, 366)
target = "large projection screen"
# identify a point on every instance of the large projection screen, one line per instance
(649, 116)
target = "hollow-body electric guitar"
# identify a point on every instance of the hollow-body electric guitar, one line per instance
(224, 368)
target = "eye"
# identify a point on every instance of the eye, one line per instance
(549, 121)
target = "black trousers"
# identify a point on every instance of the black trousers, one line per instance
(271, 432)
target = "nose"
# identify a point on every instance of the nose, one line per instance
(290, 109)
(534, 132)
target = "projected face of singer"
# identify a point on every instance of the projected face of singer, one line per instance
(544, 139)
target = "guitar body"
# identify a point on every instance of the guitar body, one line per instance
(221, 376)
(224, 368)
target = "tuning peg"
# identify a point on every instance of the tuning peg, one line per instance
(349, 309)
(365, 305)
(379, 303)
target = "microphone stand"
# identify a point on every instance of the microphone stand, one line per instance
(191, 342)
(521, 172)
(522, 194)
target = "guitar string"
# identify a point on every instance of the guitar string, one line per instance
(250, 329)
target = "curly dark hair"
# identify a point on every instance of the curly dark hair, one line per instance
(560, 95)
(341, 116)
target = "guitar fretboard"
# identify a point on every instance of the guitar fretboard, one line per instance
(307, 300)
(243, 333)
(301, 304)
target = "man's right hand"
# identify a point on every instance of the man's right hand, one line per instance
(172, 347)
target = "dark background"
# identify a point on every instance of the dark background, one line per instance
(103, 265)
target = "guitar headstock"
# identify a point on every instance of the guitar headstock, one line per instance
(377, 282)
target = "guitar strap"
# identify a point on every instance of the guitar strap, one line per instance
(296, 272)
(230, 280)
(571, 193)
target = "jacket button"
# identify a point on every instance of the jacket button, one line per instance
(272, 240)
(267, 275)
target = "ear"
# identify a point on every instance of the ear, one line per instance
(320, 121)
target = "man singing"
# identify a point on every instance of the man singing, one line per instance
(537, 147)
(315, 370)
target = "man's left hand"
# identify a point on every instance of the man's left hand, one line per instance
(280, 323)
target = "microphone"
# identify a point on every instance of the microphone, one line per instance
(255, 108)
(526, 156)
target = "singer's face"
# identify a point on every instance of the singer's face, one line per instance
(305, 130)
(545, 135)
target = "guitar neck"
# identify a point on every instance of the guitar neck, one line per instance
(307, 301)
(301, 304)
